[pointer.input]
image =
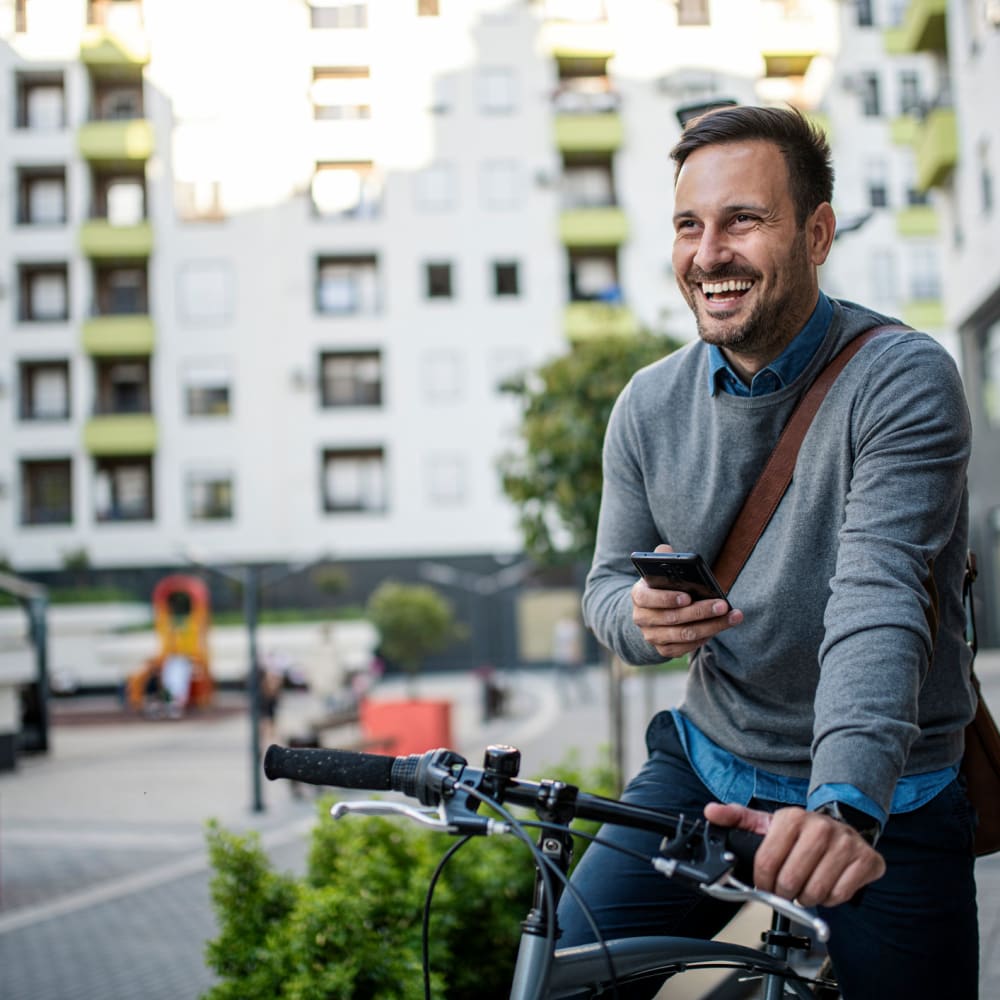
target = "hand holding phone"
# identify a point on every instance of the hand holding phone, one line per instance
(684, 571)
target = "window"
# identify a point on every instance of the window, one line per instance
(587, 184)
(44, 293)
(878, 186)
(883, 278)
(47, 491)
(496, 91)
(500, 183)
(435, 187)
(438, 281)
(925, 278)
(505, 278)
(123, 489)
(868, 87)
(205, 292)
(354, 480)
(121, 291)
(122, 386)
(117, 100)
(210, 496)
(693, 12)
(446, 479)
(339, 14)
(41, 101)
(347, 190)
(41, 196)
(442, 376)
(346, 286)
(341, 92)
(594, 278)
(909, 93)
(207, 389)
(119, 197)
(44, 390)
(863, 11)
(351, 379)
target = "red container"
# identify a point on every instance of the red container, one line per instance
(410, 726)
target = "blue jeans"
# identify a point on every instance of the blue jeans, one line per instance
(914, 934)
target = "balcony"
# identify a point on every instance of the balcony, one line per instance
(101, 240)
(917, 220)
(578, 39)
(924, 314)
(593, 227)
(936, 148)
(598, 320)
(117, 141)
(601, 133)
(109, 336)
(120, 434)
(103, 47)
(903, 131)
(924, 29)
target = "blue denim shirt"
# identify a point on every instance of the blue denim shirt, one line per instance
(726, 776)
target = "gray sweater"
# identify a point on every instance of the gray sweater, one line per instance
(829, 677)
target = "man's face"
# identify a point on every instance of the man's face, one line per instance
(744, 266)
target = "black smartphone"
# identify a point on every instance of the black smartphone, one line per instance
(685, 571)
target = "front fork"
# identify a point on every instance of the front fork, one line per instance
(540, 929)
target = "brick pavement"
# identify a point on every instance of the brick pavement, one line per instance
(103, 871)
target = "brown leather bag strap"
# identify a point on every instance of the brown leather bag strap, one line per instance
(763, 499)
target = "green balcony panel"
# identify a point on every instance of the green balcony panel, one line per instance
(917, 220)
(924, 314)
(937, 148)
(593, 227)
(116, 141)
(101, 240)
(120, 434)
(101, 47)
(598, 320)
(108, 336)
(578, 40)
(924, 29)
(600, 133)
(905, 130)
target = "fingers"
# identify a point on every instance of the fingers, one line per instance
(814, 859)
(739, 816)
(670, 621)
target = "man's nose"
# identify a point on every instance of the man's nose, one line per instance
(713, 249)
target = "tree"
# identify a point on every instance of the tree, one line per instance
(555, 477)
(413, 621)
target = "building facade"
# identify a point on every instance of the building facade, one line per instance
(265, 273)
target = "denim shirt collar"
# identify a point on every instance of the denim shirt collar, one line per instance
(783, 370)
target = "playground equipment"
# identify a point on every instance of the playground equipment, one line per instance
(179, 673)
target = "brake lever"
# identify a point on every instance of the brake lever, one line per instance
(730, 889)
(435, 819)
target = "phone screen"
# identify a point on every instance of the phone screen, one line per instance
(684, 571)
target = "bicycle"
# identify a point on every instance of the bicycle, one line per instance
(451, 793)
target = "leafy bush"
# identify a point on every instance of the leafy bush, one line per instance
(350, 929)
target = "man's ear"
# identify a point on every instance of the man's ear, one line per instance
(821, 227)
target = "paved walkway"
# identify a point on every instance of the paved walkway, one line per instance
(103, 869)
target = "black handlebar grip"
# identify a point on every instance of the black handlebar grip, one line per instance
(339, 768)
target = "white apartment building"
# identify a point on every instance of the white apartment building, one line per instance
(263, 267)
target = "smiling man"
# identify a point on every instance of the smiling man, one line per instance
(812, 713)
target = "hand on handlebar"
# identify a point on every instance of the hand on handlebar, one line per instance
(675, 624)
(805, 856)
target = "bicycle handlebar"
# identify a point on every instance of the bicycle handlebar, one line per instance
(435, 774)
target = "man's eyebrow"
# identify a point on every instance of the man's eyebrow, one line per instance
(725, 210)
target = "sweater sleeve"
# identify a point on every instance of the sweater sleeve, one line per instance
(625, 524)
(911, 439)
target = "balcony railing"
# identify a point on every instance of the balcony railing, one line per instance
(111, 336)
(120, 434)
(593, 227)
(598, 320)
(101, 240)
(923, 29)
(577, 133)
(116, 140)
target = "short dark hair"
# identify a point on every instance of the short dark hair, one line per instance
(802, 144)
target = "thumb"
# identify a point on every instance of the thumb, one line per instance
(739, 816)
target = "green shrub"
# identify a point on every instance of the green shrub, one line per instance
(350, 929)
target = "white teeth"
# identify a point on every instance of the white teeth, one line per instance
(715, 287)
